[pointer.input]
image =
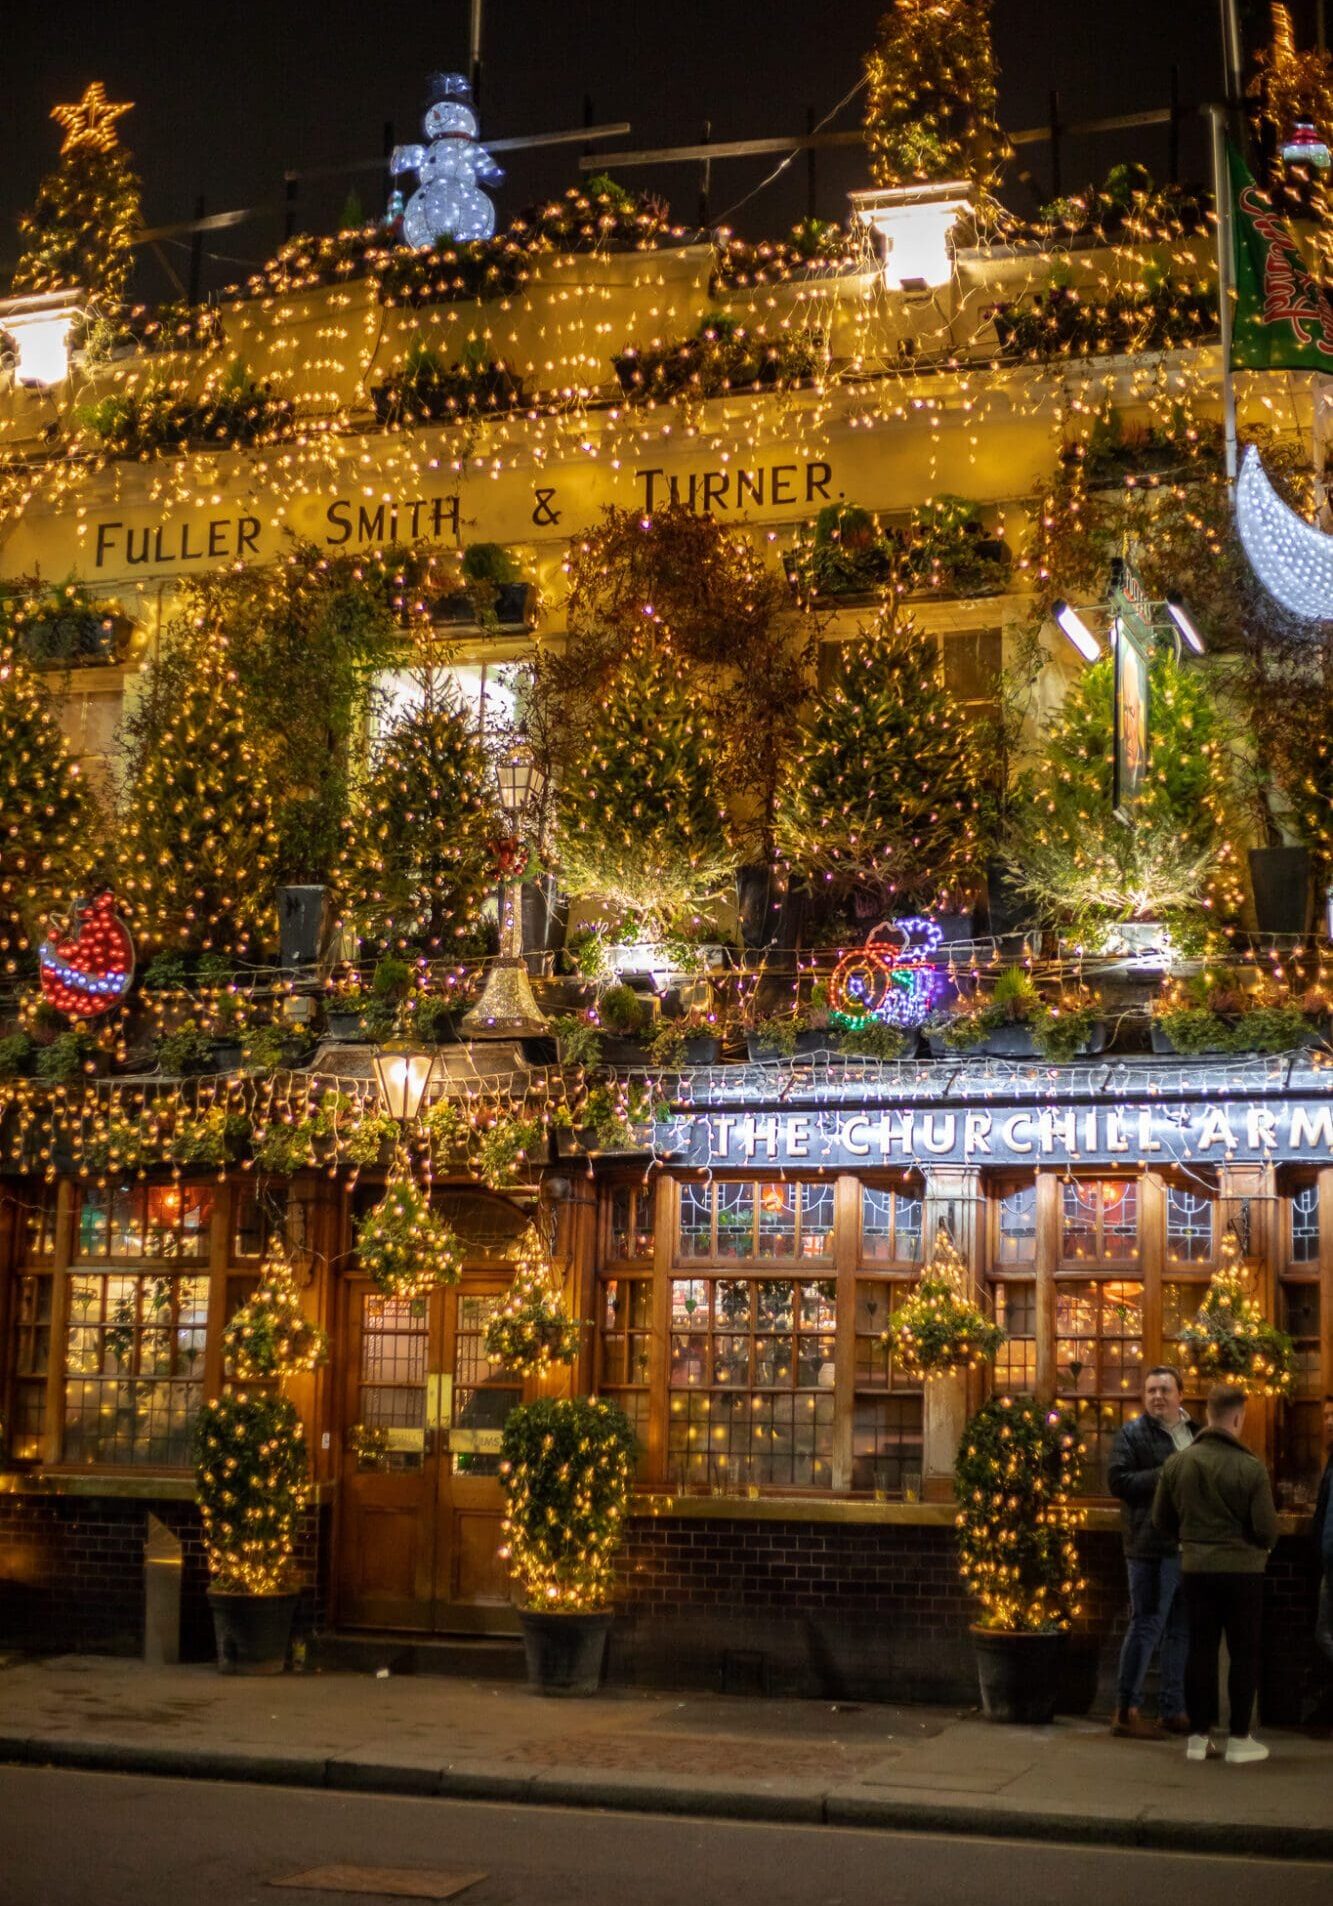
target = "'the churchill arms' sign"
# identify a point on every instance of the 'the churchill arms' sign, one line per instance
(1028, 1135)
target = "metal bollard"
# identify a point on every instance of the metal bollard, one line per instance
(161, 1596)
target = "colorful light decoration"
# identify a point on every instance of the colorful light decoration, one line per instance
(87, 969)
(890, 978)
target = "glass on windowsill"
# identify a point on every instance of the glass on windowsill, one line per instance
(911, 1485)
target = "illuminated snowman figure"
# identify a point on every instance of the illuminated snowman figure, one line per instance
(448, 201)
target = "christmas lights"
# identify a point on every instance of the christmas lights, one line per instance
(1230, 1339)
(939, 1329)
(531, 1330)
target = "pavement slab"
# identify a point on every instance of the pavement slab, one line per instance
(930, 1769)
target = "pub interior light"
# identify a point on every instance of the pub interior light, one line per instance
(39, 326)
(1180, 615)
(1077, 630)
(913, 224)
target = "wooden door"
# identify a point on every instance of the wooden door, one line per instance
(420, 1501)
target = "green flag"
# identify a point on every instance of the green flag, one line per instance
(1284, 320)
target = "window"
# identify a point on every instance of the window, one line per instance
(749, 1222)
(751, 1376)
(886, 1413)
(625, 1314)
(1100, 1221)
(483, 1393)
(1099, 1360)
(971, 662)
(31, 1360)
(890, 1226)
(1017, 1235)
(134, 1366)
(1300, 1452)
(135, 1336)
(1189, 1227)
(390, 1430)
(633, 1222)
(1303, 1208)
(1016, 1314)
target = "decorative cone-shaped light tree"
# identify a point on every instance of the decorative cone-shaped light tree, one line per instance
(416, 860)
(1230, 1339)
(1016, 1471)
(404, 1247)
(881, 800)
(532, 1329)
(80, 231)
(939, 1328)
(641, 824)
(197, 842)
(931, 95)
(47, 817)
(270, 1335)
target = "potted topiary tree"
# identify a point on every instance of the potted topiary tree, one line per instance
(567, 1469)
(251, 1475)
(1017, 1551)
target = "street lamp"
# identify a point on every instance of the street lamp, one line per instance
(402, 1073)
(507, 1009)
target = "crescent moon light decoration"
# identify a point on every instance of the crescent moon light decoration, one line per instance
(1291, 558)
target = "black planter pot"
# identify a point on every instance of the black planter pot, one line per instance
(762, 1051)
(301, 924)
(1008, 909)
(564, 1652)
(704, 1050)
(1280, 877)
(1161, 1043)
(253, 1631)
(619, 1050)
(344, 1025)
(1011, 1042)
(1021, 1676)
(761, 904)
(226, 1055)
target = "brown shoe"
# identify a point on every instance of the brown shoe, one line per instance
(1177, 1723)
(1130, 1725)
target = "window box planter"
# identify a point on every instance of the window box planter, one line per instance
(1010, 1042)
(226, 1055)
(705, 1049)
(1161, 1043)
(346, 1026)
(761, 1051)
(1092, 1045)
(463, 397)
(620, 1050)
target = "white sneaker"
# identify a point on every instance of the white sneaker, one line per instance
(1244, 1747)
(1198, 1747)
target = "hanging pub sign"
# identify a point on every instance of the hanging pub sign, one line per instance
(1131, 627)
(87, 963)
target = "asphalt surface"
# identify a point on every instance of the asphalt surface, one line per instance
(72, 1839)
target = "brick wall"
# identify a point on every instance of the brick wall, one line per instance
(72, 1574)
(858, 1612)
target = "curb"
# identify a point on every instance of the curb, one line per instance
(777, 1805)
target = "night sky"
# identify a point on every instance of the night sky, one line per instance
(228, 96)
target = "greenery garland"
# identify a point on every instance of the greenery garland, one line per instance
(532, 1329)
(938, 1329)
(1229, 1337)
(251, 1484)
(1017, 1547)
(568, 1467)
(404, 1247)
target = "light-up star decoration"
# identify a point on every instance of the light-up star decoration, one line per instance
(92, 122)
(1291, 558)
(448, 201)
(890, 978)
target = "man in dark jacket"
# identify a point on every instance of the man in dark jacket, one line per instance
(1156, 1603)
(1215, 1499)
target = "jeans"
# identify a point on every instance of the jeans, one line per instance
(1157, 1618)
(1232, 1605)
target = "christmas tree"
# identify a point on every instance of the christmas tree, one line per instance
(931, 95)
(80, 231)
(881, 798)
(1230, 1339)
(197, 843)
(640, 821)
(416, 863)
(47, 816)
(1175, 859)
(532, 1329)
(939, 1328)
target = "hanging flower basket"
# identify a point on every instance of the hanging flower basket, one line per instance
(940, 1329)
(404, 1247)
(532, 1329)
(270, 1335)
(1230, 1339)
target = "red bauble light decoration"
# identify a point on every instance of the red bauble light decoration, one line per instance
(87, 967)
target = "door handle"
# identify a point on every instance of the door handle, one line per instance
(439, 1408)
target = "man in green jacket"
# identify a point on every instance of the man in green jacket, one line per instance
(1215, 1499)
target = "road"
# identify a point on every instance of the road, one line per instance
(77, 1839)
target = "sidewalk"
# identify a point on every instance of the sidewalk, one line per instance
(866, 1766)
